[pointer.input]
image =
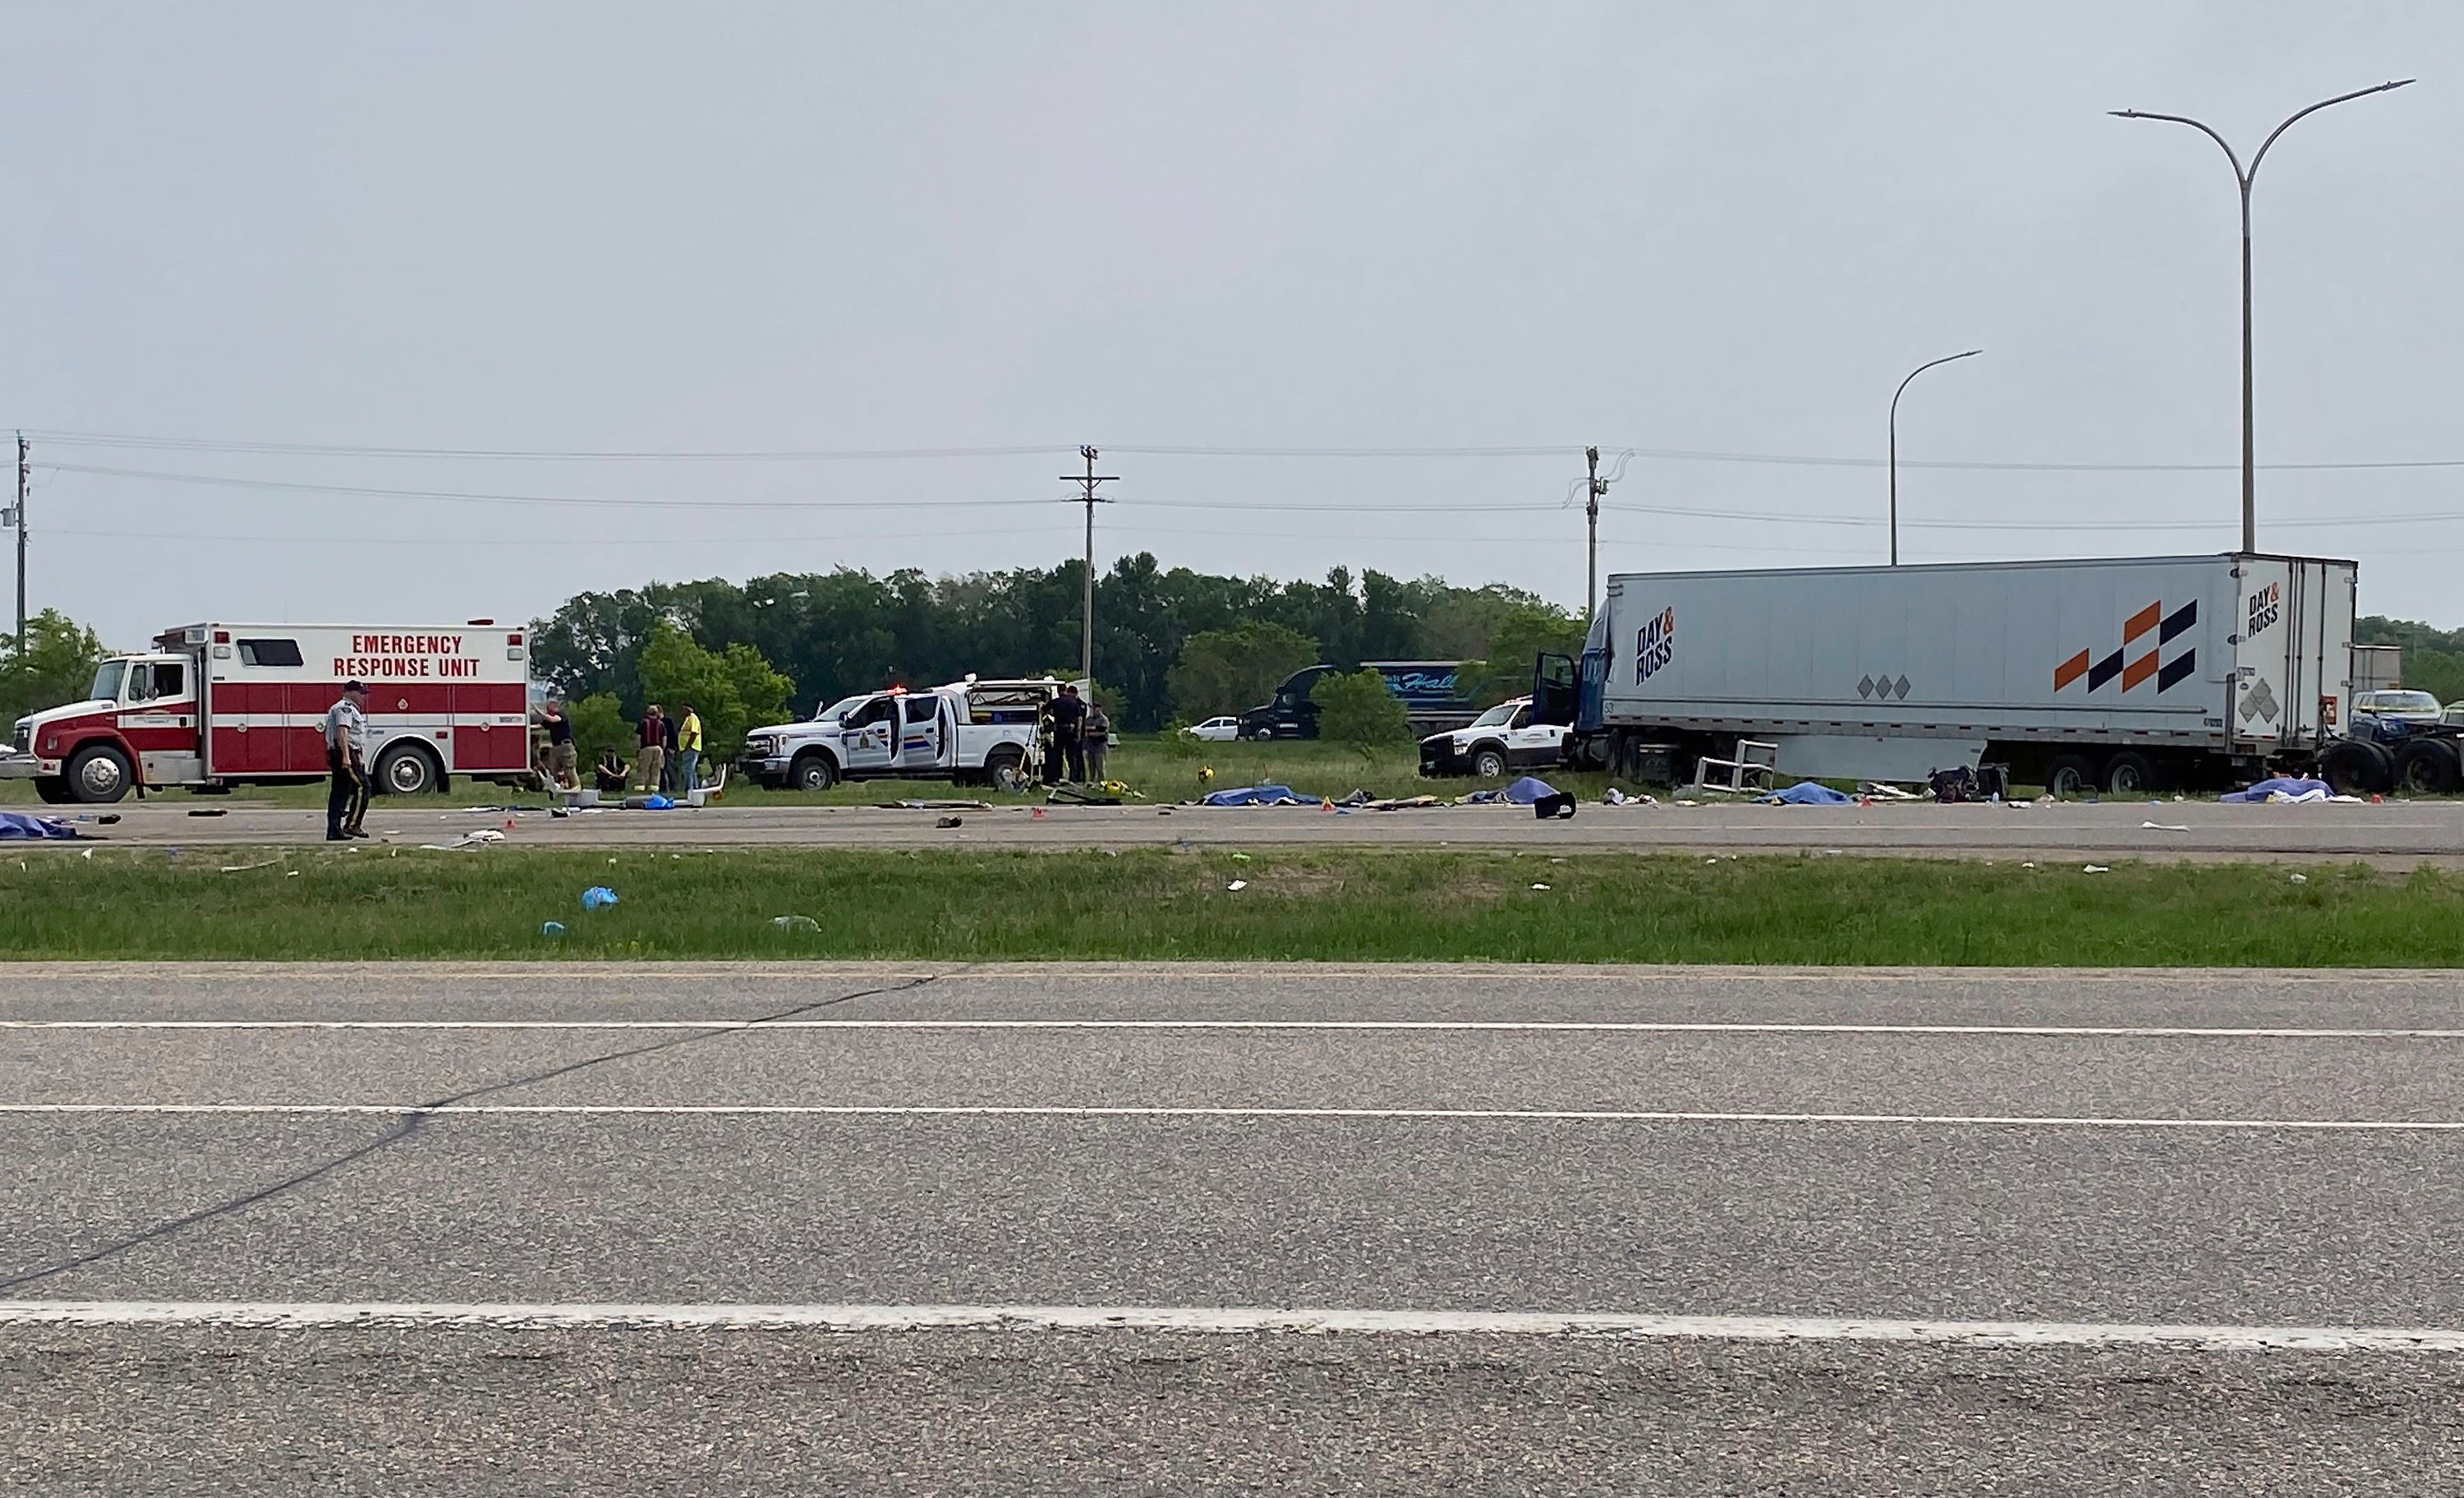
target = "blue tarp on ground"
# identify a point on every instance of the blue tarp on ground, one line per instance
(1521, 793)
(1256, 796)
(17, 827)
(2283, 785)
(1804, 793)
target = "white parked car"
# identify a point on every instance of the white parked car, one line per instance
(1214, 729)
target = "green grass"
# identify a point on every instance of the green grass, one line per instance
(1159, 904)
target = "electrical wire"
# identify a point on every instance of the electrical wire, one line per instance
(894, 454)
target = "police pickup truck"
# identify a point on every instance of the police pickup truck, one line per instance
(970, 731)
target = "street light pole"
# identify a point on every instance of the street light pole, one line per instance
(1895, 443)
(2243, 177)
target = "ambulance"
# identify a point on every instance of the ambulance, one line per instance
(216, 705)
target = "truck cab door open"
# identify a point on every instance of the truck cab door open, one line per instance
(921, 736)
(869, 734)
(1553, 690)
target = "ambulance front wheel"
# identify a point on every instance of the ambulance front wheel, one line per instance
(51, 789)
(406, 770)
(98, 773)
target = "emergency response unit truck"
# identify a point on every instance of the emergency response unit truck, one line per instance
(968, 731)
(216, 705)
(2122, 676)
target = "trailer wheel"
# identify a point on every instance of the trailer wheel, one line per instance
(52, 789)
(1489, 761)
(404, 770)
(2352, 767)
(2428, 767)
(2130, 773)
(812, 772)
(2070, 775)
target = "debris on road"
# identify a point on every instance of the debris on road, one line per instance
(2166, 826)
(1805, 793)
(795, 923)
(598, 897)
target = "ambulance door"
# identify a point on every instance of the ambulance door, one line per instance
(921, 733)
(157, 717)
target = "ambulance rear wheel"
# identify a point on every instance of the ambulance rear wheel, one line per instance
(51, 789)
(98, 773)
(405, 770)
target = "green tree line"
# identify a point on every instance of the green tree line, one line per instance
(1169, 642)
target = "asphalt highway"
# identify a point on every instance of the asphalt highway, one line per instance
(718, 1228)
(2399, 833)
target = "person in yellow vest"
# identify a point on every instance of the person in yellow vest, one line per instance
(689, 750)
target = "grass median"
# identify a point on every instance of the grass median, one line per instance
(1330, 905)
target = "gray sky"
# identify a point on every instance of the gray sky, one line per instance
(1727, 228)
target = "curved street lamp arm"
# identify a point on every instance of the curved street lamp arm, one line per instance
(2341, 99)
(2240, 175)
(1922, 368)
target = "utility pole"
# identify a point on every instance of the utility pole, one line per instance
(2243, 177)
(17, 518)
(1090, 498)
(1591, 516)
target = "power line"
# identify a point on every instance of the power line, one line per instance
(1332, 507)
(894, 454)
(93, 439)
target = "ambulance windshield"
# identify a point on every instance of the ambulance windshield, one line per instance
(106, 680)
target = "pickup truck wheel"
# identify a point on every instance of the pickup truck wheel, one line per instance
(98, 773)
(405, 770)
(2130, 773)
(812, 772)
(1005, 769)
(52, 789)
(1488, 762)
(2351, 767)
(2070, 775)
(2428, 767)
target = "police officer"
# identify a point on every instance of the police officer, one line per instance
(346, 743)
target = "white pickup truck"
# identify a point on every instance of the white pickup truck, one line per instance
(970, 731)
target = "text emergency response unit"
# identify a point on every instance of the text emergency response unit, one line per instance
(216, 705)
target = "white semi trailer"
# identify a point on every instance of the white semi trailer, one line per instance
(2124, 676)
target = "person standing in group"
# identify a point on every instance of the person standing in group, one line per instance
(346, 748)
(562, 769)
(689, 752)
(1098, 738)
(1068, 722)
(668, 754)
(651, 757)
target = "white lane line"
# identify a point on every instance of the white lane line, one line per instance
(298, 1315)
(1054, 1111)
(1537, 1027)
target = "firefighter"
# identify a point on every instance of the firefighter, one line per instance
(346, 744)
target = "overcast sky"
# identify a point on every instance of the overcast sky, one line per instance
(738, 228)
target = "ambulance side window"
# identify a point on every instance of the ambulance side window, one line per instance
(168, 678)
(269, 652)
